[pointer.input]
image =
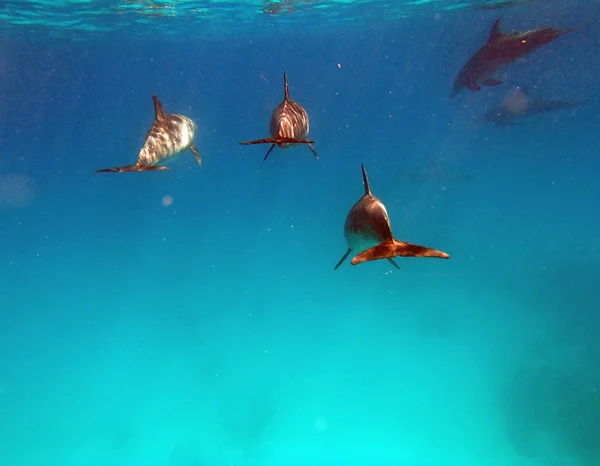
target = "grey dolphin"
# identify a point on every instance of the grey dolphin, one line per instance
(289, 125)
(499, 50)
(368, 231)
(168, 137)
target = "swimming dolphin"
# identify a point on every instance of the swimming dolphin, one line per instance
(519, 104)
(499, 50)
(368, 231)
(289, 125)
(168, 137)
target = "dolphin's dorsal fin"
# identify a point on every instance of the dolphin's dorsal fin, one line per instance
(495, 31)
(286, 91)
(366, 181)
(158, 108)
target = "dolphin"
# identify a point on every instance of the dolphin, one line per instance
(520, 104)
(368, 232)
(499, 50)
(168, 137)
(289, 125)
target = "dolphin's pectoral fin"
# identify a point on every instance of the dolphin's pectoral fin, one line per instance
(269, 151)
(274, 141)
(258, 141)
(474, 87)
(132, 168)
(492, 82)
(197, 155)
(391, 261)
(415, 250)
(310, 146)
(343, 258)
(393, 248)
(277, 141)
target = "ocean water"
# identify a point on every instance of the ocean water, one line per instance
(193, 317)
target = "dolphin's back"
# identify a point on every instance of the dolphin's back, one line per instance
(168, 137)
(367, 224)
(289, 120)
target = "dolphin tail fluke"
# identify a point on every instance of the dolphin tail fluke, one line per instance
(132, 168)
(393, 248)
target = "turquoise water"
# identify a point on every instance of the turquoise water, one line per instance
(193, 317)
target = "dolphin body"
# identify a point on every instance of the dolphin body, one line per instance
(509, 114)
(169, 136)
(499, 50)
(368, 232)
(289, 125)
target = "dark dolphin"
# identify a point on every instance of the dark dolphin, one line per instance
(289, 125)
(168, 137)
(499, 50)
(368, 232)
(520, 105)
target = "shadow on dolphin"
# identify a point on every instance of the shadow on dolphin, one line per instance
(499, 50)
(520, 103)
(289, 125)
(368, 231)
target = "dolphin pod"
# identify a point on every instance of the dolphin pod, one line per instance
(367, 228)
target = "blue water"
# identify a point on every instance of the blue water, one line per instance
(192, 317)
